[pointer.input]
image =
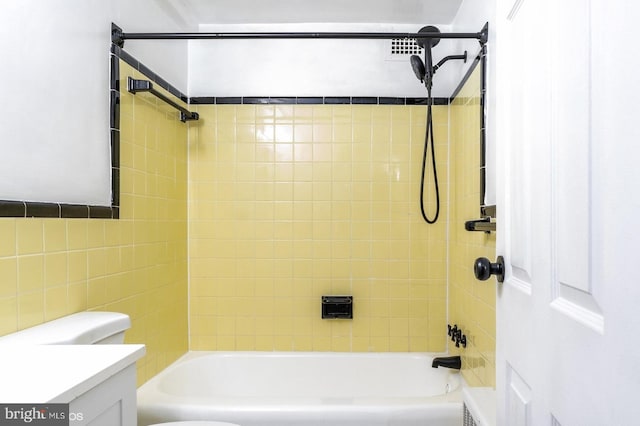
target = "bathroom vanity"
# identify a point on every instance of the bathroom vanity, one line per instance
(97, 381)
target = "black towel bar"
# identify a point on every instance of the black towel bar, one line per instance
(134, 86)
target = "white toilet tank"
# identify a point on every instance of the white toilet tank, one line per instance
(82, 328)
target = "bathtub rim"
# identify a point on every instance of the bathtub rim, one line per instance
(167, 407)
(152, 386)
(428, 356)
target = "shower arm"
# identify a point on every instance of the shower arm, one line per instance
(428, 79)
(448, 58)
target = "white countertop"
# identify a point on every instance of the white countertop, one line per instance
(59, 373)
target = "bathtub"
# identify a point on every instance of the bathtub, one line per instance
(303, 389)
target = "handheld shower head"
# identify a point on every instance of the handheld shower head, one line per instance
(418, 67)
(424, 70)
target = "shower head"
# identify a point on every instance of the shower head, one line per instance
(424, 70)
(418, 67)
(428, 42)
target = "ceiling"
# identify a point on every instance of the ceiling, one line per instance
(196, 12)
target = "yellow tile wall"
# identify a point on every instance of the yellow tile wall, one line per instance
(471, 302)
(286, 203)
(136, 265)
(291, 202)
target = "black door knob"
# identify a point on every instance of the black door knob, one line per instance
(483, 269)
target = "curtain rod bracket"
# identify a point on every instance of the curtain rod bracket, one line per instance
(117, 35)
(484, 34)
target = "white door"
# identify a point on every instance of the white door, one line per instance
(568, 154)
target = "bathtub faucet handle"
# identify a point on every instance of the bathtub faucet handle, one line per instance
(456, 335)
(461, 339)
(454, 332)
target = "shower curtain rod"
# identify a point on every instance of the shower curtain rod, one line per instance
(118, 37)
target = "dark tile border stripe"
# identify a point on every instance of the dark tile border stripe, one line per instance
(74, 211)
(157, 79)
(480, 59)
(485, 210)
(43, 210)
(311, 100)
(391, 101)
(203, 100)
(99, 212)
(365, 100)
(13, 209)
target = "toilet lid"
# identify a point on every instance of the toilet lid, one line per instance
(196, 423)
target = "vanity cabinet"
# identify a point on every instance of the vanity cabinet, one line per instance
(97, 381)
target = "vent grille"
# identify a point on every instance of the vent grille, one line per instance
(404, 47)
(466, 417)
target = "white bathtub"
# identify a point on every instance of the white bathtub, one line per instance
(303, 389)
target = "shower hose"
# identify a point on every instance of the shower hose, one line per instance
(428, 141)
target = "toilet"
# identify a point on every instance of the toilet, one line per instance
(82, 328)
(86, 328)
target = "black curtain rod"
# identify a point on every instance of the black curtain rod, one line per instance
(118, 36)
(206, 36)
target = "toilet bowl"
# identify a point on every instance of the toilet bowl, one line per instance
(195, 423)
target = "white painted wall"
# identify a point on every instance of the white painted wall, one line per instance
(54, 128)
(311, 67)
(474, 14)
(292, 11)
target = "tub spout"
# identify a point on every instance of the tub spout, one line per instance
(448, 362)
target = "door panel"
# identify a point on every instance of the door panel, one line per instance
(520, 133)
(571, 112)
(519, 399)
(568, 212)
